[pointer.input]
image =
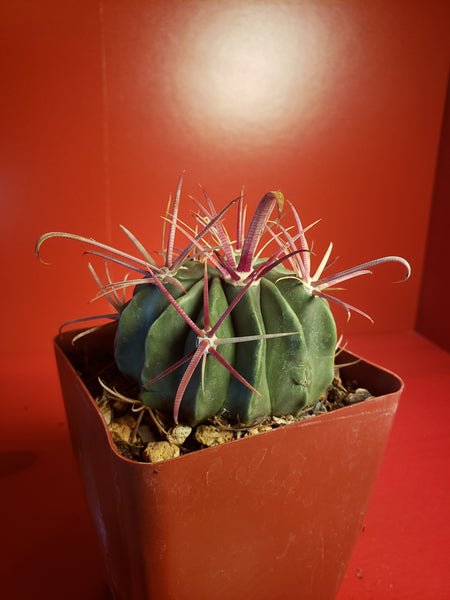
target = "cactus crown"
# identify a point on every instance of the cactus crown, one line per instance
(218, 328)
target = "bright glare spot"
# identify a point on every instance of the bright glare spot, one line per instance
(254, 66)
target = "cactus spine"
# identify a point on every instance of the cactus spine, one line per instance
(219, 330)
(289, 372)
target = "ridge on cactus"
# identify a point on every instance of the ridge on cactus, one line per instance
(218, 328)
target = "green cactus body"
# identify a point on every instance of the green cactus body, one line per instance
(243, 404)
(207, 392)
(319, 330)
(146, 306)
(221, 326)
(289, 373)
(169, 339)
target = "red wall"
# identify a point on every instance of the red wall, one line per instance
(104, 104)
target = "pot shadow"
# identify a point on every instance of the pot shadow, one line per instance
(12, 463)
(66, 565)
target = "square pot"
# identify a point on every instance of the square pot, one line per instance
(271, 516)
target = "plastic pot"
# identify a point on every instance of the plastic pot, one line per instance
(270, 516)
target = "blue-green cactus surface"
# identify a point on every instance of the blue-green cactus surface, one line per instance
(218, 329)
(289, 372)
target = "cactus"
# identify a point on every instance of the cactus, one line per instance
(219, 330)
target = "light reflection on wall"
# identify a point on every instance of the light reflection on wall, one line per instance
(255, 68)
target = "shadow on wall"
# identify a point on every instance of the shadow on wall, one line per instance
(433, 319)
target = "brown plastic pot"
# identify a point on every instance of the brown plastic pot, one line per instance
(272, 516)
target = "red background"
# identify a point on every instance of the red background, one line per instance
(103, 104)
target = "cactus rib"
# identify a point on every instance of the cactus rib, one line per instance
(225, 326)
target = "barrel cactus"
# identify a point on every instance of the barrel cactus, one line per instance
(218, 329)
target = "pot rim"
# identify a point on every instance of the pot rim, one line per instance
(394, 382)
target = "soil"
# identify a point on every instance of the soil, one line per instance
(145, 435)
